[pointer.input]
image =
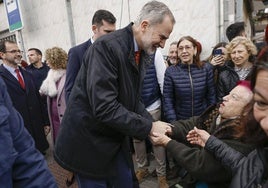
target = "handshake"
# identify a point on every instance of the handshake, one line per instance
(159, 132)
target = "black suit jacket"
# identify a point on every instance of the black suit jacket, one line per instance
(27, 102)
(75, 57)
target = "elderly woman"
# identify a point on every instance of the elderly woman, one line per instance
(249, 171)
(241, 52)
(188, 85)
(53, 88)
(200, 165)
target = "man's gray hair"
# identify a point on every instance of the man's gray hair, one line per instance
(155, 12)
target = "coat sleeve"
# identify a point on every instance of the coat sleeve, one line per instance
(104, 73)
(182, 127)
(169, 97)
(199, 163)
(73, 67)
(224, 153)
(27, 167)
(221, 91)
(211, 93)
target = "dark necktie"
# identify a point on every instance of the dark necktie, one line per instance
(137, 57)
(20, 78)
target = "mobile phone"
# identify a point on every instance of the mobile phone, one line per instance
(217, 52)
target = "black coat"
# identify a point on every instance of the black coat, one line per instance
(248, 171)
(28, 103)
(227, 80)
(104, 108)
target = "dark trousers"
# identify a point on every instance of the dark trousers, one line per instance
(122, 177)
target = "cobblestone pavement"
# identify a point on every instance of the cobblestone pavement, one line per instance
(60, 174)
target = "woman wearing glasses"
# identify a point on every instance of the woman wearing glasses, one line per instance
(189, 85)
(250, 170)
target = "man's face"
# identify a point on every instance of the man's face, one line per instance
(12, 56)
(154, 36)
(234, 103)
(105, 28)
(261, 100)
(240, 55)
(34, 57)
(173, 54)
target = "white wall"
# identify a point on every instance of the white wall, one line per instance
(46, 23)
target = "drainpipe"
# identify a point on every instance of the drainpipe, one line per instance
(219, 37)
(239, 11)
(70, 22)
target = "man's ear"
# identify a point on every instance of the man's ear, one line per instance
(1, 55)
(94, 28)
(144, 25)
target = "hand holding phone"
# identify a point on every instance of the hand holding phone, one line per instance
(217, 52)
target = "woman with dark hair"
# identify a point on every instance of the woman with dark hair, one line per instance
(188, 86)
(251, 170)
(218, 59)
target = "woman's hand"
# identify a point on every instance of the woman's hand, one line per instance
(198, 137)
(217, 60)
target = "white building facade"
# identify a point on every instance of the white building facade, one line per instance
(65, 23)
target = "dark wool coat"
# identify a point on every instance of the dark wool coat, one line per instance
(104, 108)
(199, 163)
(39, 75)
(28, 103)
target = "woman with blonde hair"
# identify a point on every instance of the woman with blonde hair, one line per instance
(53, 88)
(240, 52)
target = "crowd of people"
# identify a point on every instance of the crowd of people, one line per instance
(115, 96)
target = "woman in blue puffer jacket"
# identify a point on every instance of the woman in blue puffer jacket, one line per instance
(188, 86)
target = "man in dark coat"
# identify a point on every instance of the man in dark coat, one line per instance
(20, 163)
(25, 97)
(39, 71)
(105, 107)
(103, 22)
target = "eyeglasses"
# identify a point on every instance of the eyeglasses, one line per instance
(15, 51)
(187, 48)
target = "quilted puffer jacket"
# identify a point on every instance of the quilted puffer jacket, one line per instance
(188, 91)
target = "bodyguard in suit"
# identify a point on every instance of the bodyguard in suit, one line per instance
(103, 22)
(23, 93)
